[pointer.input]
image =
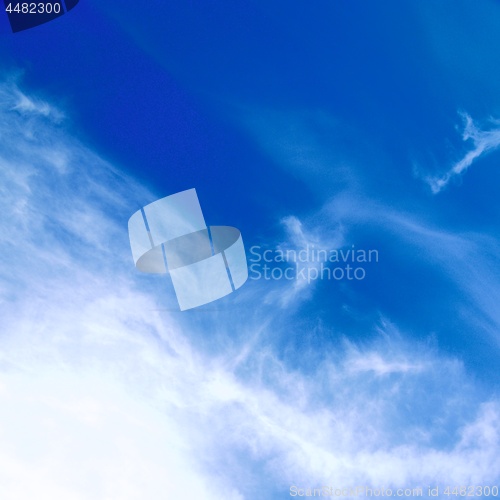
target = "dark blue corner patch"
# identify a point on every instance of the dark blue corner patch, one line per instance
(25, 15)
(70, 4)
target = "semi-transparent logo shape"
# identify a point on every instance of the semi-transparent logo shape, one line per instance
(204, 262)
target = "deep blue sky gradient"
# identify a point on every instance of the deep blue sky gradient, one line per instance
(167, 90)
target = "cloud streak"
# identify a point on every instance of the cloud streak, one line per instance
(483, 141)
(469, 259)
(104, 396)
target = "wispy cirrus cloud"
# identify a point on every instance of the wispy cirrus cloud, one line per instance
(464, 264)
(468, 258)
(104, 396)
(309, 144)
(483, 141)
(75, 328)
(299, 238)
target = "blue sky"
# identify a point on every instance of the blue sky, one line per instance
(334, 124)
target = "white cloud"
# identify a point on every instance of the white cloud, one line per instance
(80, 349)
(468, 259)
(484, 141)
(81, 436)
(104, 397)
(299, 237)
(29, 105)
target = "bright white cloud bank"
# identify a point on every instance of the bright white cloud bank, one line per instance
(101, 397)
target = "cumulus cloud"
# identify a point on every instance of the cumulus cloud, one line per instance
(104, 396)
(483, 142)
